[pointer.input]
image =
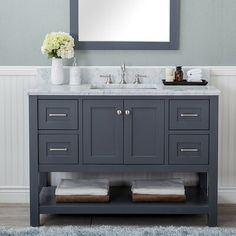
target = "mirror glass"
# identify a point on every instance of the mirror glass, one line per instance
(124, 20)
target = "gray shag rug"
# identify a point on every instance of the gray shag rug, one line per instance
(117, 231)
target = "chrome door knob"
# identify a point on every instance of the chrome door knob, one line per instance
(127, 112)
(119, 112)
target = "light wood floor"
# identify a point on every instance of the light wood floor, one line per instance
(18, 215)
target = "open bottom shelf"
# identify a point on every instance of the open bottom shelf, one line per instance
(121, 203)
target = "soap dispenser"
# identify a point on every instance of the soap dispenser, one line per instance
(75, 78)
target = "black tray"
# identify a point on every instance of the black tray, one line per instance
(186, 83)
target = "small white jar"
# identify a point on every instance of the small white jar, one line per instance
(170, 75)
(75, 78)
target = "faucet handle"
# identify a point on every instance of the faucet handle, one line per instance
(109, 80)
(137, 78)
(123, 67)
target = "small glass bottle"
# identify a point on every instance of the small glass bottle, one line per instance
(179, 74)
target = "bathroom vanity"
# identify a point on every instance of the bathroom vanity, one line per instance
(83, 129)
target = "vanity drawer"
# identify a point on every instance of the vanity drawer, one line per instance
(58, 114)
(58, 149)
(188, 149)
(189, 114)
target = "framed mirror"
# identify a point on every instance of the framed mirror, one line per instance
(125, 24)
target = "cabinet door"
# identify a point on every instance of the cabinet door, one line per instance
(144, 131)
(103, 132)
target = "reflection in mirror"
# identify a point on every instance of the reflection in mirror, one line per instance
(124, 20)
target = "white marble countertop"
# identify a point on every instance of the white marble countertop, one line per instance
(160, 90)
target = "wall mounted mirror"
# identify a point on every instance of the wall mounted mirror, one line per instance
(125, 24)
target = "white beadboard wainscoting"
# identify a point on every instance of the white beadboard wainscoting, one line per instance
(14, 155)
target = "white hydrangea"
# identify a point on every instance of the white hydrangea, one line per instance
(58, 45)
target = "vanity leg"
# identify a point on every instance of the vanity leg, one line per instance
(213, 165)
(34, 168)
(212, 198)
(34, 195)
(212, 220)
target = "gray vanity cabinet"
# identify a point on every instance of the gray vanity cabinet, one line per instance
(103, 132)
(144, 131)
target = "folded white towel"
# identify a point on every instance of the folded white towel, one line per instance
(195, 75)
(158, 187)
(194, 72)
(194, 79)
(68, 187)
(197, 70)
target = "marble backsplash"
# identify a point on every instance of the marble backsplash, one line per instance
(90, 75)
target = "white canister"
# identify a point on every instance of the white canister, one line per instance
(75, 75)
(170, 78)
(170, 75)
(57, 71)
(169, 71)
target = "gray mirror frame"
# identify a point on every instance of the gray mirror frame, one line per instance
(172, 45)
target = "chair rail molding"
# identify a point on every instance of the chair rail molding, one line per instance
(14, 168)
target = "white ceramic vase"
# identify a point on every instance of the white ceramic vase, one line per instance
(57, 71)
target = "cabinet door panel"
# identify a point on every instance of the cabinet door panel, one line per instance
(103, 132)
(144, 132)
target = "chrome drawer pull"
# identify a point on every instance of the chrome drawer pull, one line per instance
(189, 150)
(57, 115)
(58, 149)
(189, 115)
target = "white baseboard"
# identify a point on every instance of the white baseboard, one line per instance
(14, 194)
(226, 195)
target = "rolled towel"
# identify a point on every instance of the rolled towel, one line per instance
(196, 79)
(160, 187)
(93, 187)
(197, 70)
(194, 73)
(195, 76)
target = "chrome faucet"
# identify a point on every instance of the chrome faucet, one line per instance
(123, 73)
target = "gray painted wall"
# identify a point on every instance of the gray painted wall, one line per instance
(208, 35)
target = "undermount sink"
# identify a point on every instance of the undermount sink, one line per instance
(123, 86)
